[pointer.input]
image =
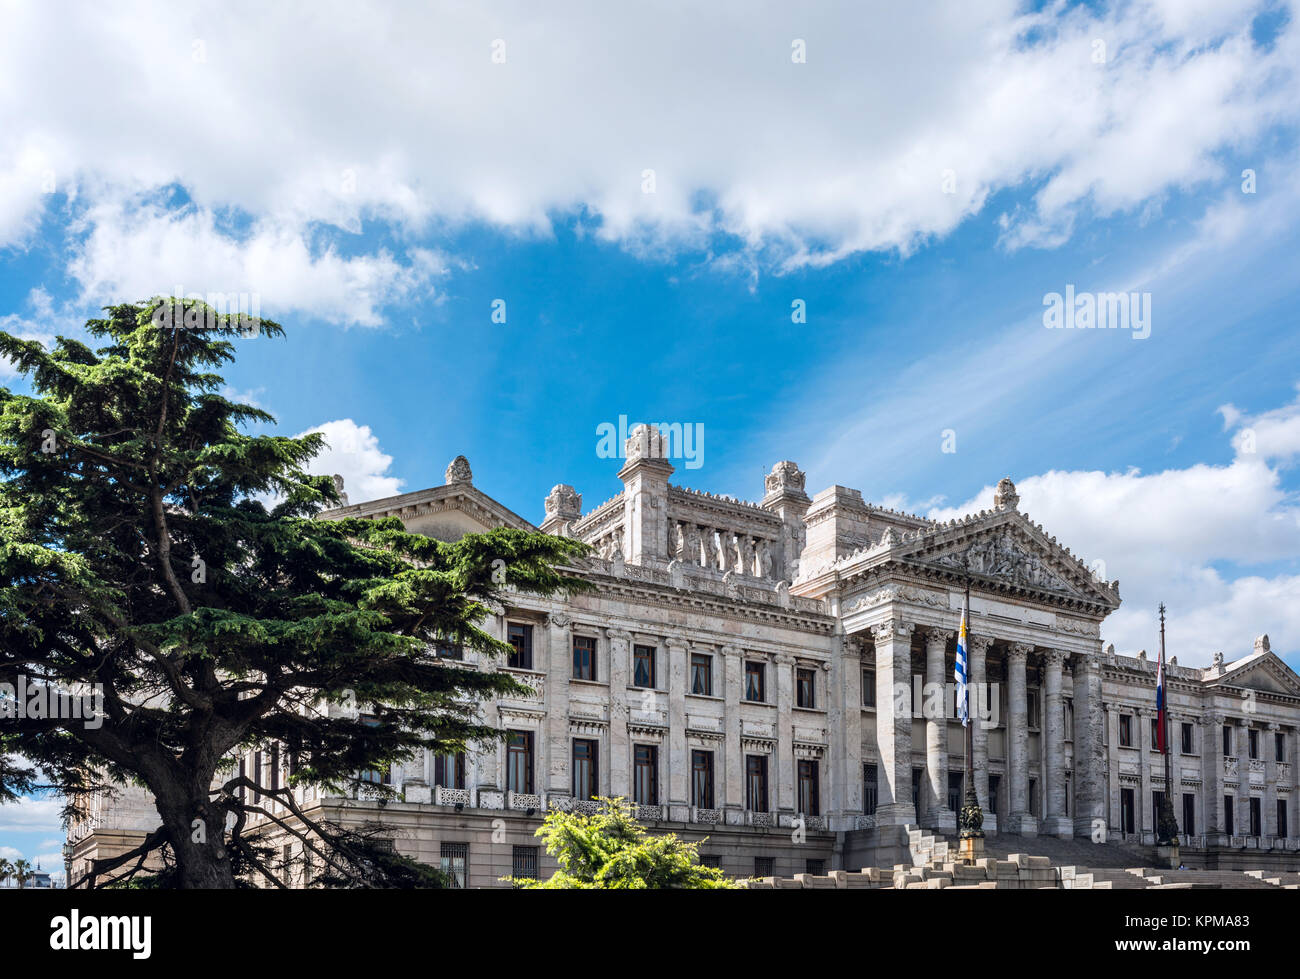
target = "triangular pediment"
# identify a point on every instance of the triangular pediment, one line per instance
(1003, 550)
(1266, 673)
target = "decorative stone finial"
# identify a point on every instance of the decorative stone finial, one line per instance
(646, 442)
(1261, 644)
(459, 472)
(1005, 497)
(338, 488)
(785, 477)
(564, 502)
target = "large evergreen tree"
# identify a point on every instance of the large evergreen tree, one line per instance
(136, 559)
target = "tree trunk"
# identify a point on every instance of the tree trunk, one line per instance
(197, 832)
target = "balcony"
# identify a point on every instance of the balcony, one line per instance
(444, 796)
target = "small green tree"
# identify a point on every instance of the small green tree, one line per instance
(23, 873)
(611, 850)
(6, 871)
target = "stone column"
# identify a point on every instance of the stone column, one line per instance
(1212, 776)
(559, 669)
(845, 697)
(1241, 746)
(1268, 818)
(1145, 817)
(733, 795)
(1057, 823)
(621, 705)
(487, 767)
(679, 798)
(937, 813)
(1115, 813)
(783, 683)
(981, 700)
(1089, 821)
(1018, 739)
(893, 642)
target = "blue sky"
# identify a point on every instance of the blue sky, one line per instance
(921, 181)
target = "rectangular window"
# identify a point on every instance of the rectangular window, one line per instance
(756, 783)
(868, 688)
(1189, 813)
(1126, 810)
(449, 770)
(1227, 815)
(1155, 734)
(1227, 739)
(1279, 746)
(918, 776)
(995, 783)
(816, 867)
(519, 761)
(523, 862)
(955, 791)
(1031, 708)
(643, 666)
(1157, 800)
(1252, 741)
(1187, 739)
(275, 765)
(1256, 817)
(764, 866)
(805, 688)
(754, 681)
(1033, 797)
(702, 779)
(446, 649)
(584, 658)
(454, 862)
(585, 771)
(809, 790)
(702, 674)
(1281, 818)
(521, 638)
(870, 789)
(1126, 730)
(645, 785)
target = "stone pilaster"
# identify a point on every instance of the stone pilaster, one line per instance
(1212, 776)
(1241, 746)
(733, 796)
(981, 696)
(937, 813)
(1018, 740)
(621, 706)
(1114, 814)
(1089, 821)
(679, 798)
(783, 682)
(1145, 814)
(893, 644)
(1056, 822)
(645, 496)
(845, 699)
(559, 670)
(1269, 806)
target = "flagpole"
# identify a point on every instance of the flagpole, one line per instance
(1167, 835)
(970, 820)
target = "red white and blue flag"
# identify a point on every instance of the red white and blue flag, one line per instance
(1160, 703)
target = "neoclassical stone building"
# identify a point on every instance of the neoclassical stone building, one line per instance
(776, 677)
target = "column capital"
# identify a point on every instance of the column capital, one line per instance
(1054, 658)
(935, 636)
(979, 644)
(616, 634)
(784, 659)
(891, 629)
(1212, 717)
(1019, 651)
(731, 652)
(1272, 725)
(674, 641)
(561, 620)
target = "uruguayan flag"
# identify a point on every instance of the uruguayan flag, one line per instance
(959, 673)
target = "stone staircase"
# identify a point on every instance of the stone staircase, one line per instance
(1288, 879)
(1201, 879)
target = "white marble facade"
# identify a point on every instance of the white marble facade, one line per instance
(760, 623)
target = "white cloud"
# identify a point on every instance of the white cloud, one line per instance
(39, 323)
(142, 251)
(33, 814)
(354, 454)
(1271, 435)
(336, 117)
